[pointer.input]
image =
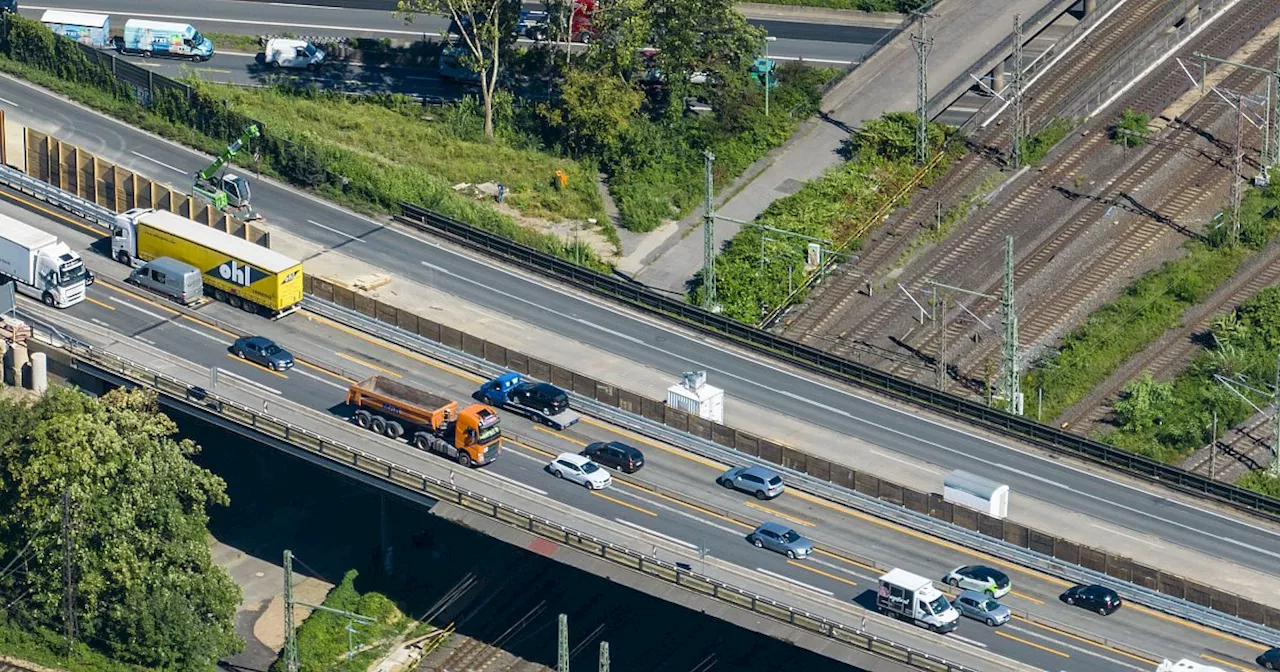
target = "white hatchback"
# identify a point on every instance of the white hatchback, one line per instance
(580, 470)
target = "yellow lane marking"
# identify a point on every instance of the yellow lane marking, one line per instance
(695, 507)
(619, 502)
(1025, 597)
(321, 369)
(261, 368)
(536, 450)
(1225, 662)
(558, 435)
(1090, 642)
(798, 521)
(371, 365)
(636, 437)
(98, 303)
(829, 575)
(382, 344)
(55, 214)
(1208, 631)
(1038, 646)
(841, 558)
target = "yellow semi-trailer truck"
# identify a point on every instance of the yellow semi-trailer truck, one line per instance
(235, 270)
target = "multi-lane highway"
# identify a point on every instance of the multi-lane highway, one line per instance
(825, 44)
(658, 346)
(331, 356)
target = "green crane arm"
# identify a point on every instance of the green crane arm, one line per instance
(250, 132)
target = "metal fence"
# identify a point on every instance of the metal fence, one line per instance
(442, 490)
(924, 512)
(771, 345)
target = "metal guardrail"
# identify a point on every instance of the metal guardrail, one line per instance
(442, 490)
(915, 520)
(761, 342)
(20, 181)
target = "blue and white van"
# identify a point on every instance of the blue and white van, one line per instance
(162, 38)
(91, 29)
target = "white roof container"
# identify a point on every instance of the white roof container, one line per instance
(21, 233)
(978, 493)
(60, 17)
(905, 580)
(693, 395)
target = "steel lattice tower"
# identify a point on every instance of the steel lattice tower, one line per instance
(1016, 86)
(604, 656)
(1237, 172)
(1011, 372)
(709, 241)
(290, 638)
(923, 44)
(562, 654)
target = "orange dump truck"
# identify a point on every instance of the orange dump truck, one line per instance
(472, 436)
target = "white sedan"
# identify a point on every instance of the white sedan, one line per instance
(580, 470)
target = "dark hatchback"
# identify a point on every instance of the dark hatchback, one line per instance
(615, 455)
(1270, 659)
(1094, 598)
(541, 396)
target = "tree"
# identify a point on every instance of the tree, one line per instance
(1144, 404)
(709, 36)
(592, 112)
(483, 26)
(146, 589)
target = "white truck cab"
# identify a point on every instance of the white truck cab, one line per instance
(283, 52)
(914, 598)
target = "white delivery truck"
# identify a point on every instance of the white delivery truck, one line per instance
(914, 598)
(1186, 665)
(40, 265)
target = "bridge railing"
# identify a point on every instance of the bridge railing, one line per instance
(442, 490)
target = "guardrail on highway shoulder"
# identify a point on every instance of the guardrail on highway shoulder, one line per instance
(807, 357)
(919, 511)
(442, 490)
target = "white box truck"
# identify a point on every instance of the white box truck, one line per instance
(1186, 665)
(41, 266)
(914, 598)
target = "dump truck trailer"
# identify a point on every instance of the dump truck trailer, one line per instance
(236, 271)
(471, 436)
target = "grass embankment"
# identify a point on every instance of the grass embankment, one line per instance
(1149, 307)
(657, 172)
(323, 638)
(748, 285)
(48, 648)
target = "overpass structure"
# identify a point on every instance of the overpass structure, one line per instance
(667, 530)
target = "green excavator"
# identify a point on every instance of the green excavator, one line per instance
(228, 193)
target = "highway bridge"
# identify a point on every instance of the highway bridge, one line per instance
(663, 515)
(636, 346)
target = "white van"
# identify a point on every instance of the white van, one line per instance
(288, 53)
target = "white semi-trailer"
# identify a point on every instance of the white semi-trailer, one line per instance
(40, 265)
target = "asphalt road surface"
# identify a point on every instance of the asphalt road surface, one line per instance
(690, 522)
(823, 44)
(655, 344)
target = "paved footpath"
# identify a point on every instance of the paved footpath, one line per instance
(963, 31)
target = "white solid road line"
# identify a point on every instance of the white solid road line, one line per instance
(331, 229)
(966, 640)
(658, 534)
(839, 568)
(648, 502)
(790, 580)
(158, 162)
(166, 320)
(318, 378)
(516, 483)
(1109, 530)
(246, 22)
(1077, 649)
(8, 102)
(272, 390)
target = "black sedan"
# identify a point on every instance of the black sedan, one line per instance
(615, 455)
(1094, 598)
(262, 351)
(541, 396)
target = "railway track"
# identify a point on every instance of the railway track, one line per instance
(825, 314)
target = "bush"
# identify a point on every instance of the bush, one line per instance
(750, 284)
(1038, 145)
(1131, 129)
(323, 637)
(1261, 482)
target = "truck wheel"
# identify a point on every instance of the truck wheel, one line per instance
(47, 298)
(235, 301)
(123, 257)
(394, 430)
(464, 459)
(364, 418)
(378, 425)
(422, 441)
(249, 306)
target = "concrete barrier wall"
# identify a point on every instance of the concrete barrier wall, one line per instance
(932, 504)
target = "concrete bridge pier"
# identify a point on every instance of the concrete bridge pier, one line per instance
(997, 75)
(1090, 6)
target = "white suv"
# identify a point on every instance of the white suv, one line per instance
(580, 470)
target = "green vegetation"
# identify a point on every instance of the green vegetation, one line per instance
(1151, 305)
(941, 230)
(1045, 139)
(831, 208)
(228, 42)
(1131, 129)
(1261, 482)
(147, 591)
(323, 637)
(900, 6)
